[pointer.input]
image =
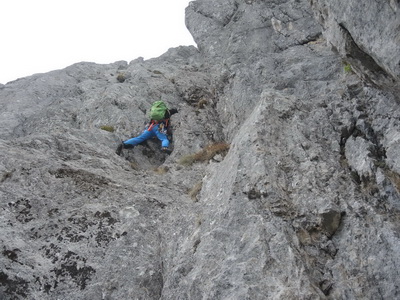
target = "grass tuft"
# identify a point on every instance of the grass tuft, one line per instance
(161, 170)
(195, 190)
(202, 103)
(107, 128)
(347, 68)
(205, 154)
(134, 166)
(121, 77)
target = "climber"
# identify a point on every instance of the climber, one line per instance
(158, 126)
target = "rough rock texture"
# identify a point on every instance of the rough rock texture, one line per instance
(373, 52)
(305, 205)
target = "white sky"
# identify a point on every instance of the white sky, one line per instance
(39, 36)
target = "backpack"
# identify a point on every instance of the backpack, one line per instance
(158, 110)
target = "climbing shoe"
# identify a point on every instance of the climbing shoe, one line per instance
(119, 149)
(166, 150)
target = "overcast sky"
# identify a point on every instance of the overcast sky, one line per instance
(39, 36)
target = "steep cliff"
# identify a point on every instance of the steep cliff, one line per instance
(304, 205)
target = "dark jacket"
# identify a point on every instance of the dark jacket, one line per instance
(170, 112)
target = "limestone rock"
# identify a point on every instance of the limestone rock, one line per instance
(304, 205)
(351, 30)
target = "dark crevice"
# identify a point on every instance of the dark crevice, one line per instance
(369, 70)
(384, 194)
(346, 133)
(233, 17)
(13, 287)
(222, 23)
(310, 39)
(326, 286)
(355, 52)
(366, 132)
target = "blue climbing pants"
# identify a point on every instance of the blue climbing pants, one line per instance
(147, 134)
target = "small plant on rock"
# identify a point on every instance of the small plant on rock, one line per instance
(121, 77)
(202, 103)
(107, 128)
(134, 166)
(205, 154)
(161, 170)
(347, 68)
(195, 190)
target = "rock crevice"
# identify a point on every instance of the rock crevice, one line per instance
(302, 202)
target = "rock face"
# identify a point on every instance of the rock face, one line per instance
(304, 205)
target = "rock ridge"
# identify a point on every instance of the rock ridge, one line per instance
(303, 205)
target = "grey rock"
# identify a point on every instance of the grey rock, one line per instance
(304, 205)
(358, 155)
(351, 30)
